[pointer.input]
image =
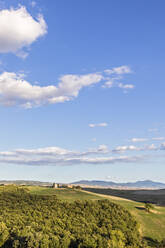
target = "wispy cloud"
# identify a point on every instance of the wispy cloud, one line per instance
(138, 140)
(158, 138)
(102, 124)
(134, 140)
(126, 86)
(115, 75)
(57, 156)
(121, 149)
(124, 69)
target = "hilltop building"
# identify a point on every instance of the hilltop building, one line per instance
(55, 185)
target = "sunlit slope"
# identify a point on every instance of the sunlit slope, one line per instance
(64, 194)
(151, 224)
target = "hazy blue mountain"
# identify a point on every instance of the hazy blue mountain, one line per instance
(138, 184)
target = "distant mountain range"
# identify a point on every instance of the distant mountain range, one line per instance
(139, 184)
(147, 184)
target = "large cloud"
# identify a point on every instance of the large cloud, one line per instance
(14, 90)
(59, 156)
(18, 29)
(55, 152)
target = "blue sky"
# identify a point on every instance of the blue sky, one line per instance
(82, 90)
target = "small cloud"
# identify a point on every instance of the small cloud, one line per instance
(103, 149)
(158, 138)
(33, 4)
(151, 147)
(103, 124)
(22, 54)
(108, 84)
(124, 69)
(116, 75)
(138, 139)
(94, 139)
(111, 178)
(122, 149)
(126, 86)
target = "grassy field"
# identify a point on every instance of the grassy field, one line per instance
(63, 194)
(141, 195)
(152, 225)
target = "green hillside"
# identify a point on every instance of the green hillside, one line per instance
(152, 225)
(30, 220)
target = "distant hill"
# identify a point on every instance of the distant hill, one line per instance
(147, 184)
(25, 182)
(139, 184)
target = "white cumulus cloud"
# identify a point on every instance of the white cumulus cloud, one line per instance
(15, 90)
(18, 29)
